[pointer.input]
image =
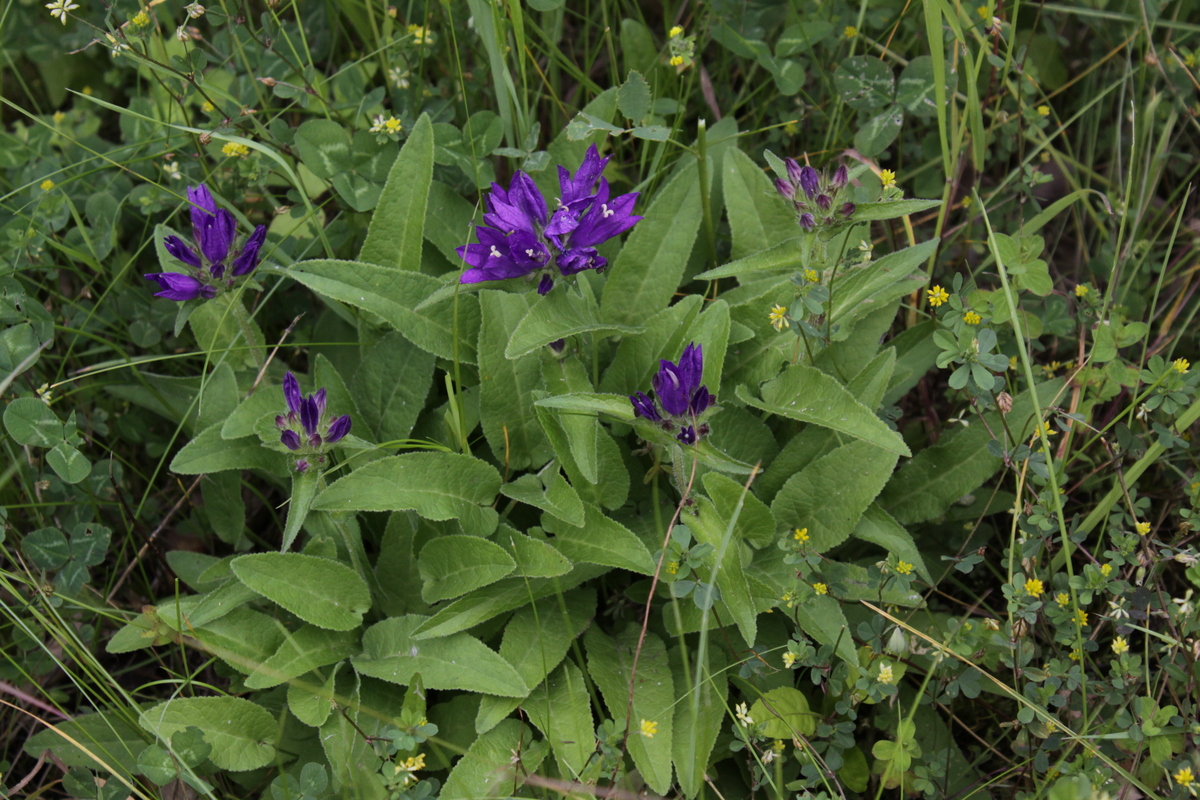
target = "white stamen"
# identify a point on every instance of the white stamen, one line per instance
(605, 211)
(495, 253)
(529, 252)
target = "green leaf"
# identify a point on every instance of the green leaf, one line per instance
(821, 618)
(397, 225)
(47, 548)
(241, 733)
(390, 386)
(438, 486)
(754, 523)
(878, 527)
(715, 531)
(784, 255)
(892, 209)
(758, 217)
(105, 742)
(568, 376)
(600, 540)
(784, 714)
(459, 661)
(591, 404)
(304, 489)
(807, 394)
(157, 765)
(864, 83)
(453, 565)
(612, 486)
(506, 385)
(535, 559)
(536, 640)
(699, 714)
(324, 147)
(488, 769)
(645, 274)
(610, 663)
(861, 291)
(916, 90)
(879, 131)
(303, 650)
(208, 452)
(830, 495)
(30, 422)
(243, 420)
(637, 357)
(242, 638)
(561, 710)
(312, 705)
(557, 498)
(633, 98)
(560, 315)
(653, 133)
(319, 591)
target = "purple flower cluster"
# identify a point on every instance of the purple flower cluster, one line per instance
(306, 429)
(814, 197)
(521, 237)
(218, 263)
(681, 397)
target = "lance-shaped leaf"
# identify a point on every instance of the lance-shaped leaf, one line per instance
(453, 565)
(318, 590)
(398, 221)
(559, 315)
(241, 733)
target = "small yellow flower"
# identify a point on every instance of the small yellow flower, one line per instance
(849, 32)
(1043, 111)
(1106, 570)
(1063, 599)
(235, 150)
(966, 202)
(672, 567)
(904, 568)
(885, 673)
(676, 61)
(207, 107)
(1143, 528)
(420, 35)
(982, 11)
(971, 318)
(47, 185)
(1081, 617)
(87, 91)
(140, 20)
(801, 535)
(1081, 290)
(811, 275)
(1181, 365)
(648, 728)
(1184, 777)
(888, 178)
(1190, 61)
(778, 317)
(820, 588)
(791, 128)
(59, 117)
(991, 624)
(1034, 587)
(675, 32)
(788, 660)
(937, 296)
(788, 599)
(1120, 646)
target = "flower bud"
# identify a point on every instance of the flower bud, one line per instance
(810, 181)
(785, 188)
(840, 177)
(793, 169)
(848, 210)
(824, 201)
(807, 221)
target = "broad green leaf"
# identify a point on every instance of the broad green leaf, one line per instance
(241, 733)
(867, 212)
(451, 566)
(787, 254)
(758, 217)
(874, 135)
(821, 618)
(304, 489)
(557, 498)
(398, 221)
(225, 507)
(610, 662)
(633, 98)
(309, 698)
(46, 548)
(807, 394)
(559, 315)
(830, 495)
(754, 524)
(459, 661)
(536, 639)
(535, 559)
(488, 769)
(568, 377)
(720, 533)
(958, 464)
(392, 295)
(861, 291)
(101, 742)
(323, 147)
(208, 452)
(319, 591)
(864, 83)
(437, 486)
(612, 487)
(600, 540)
(396, 572)
(303, 650)
(243, 638)
(243, 420)
(562, 711)
(917, 88)
(390, 386)
(30, 422)
(505, 385)
(195, 611)
(215, 325)
(448, 218)
(353, 762)
(699, 714)
(647, 271)
(878, 527)
(784, 714)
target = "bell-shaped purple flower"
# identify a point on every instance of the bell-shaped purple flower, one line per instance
(307, 428)
(290, 439)
(338, 429)
(179, 287)
(644, 407)
(785, 188)
(679, 394)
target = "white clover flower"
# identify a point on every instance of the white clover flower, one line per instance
(59, 9)
(399, 77)
(172, 170)
(194, 11)
(743, 714)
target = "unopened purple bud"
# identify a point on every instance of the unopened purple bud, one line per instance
(807, 221)
(785, 188)
(320, 398)
(848, 210)
(281, 422)
(291, 392)
(824, 201)
(545, 285)
(302, 465)
(841, 177)
(793, 169)
(687, 435)
(217, 270)
(290, 439)
(338, 429)
(644, 407)
(558, 345)
(309, 415)
(810, 181)
(314, 440)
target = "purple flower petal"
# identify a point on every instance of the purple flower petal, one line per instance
(214, 234)
(202, 202)
(807, 221)
(687, 435)
(310, 417)
(578, 186)
(701, 401)
(179, 287)
(338, 429)
(524, 194)
(810, 180)
(176, 247)
(785, 188)
(673, 395)
(497, 269)
(290, 439)
(528, 251)
(691, 366)
(644, 407)
(320, 399)
(848, 210)
(578, 259)
(247, 260)
(824, 201)
(606, 219)
(545, 285)
(840, 177)
(793, 169)
(291, 393)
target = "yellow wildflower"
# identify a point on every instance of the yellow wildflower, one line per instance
(820, 588)
(849, 32)
(801, 535)
(1190, 61)
(87, 91)
(904, 568)
(1081, 290)
(420, 35)
(937, 296)
(208, 107)
(47, 185)
(675, 32)
(971, 318)
(788, 660)
(1063, 599)
(648, 728)
(1081, 617)
(1034, 587)
(59, 117)
(811, 275)
(788, 599)
(1181, 365)
(235, 149)
(743, 714)
(1184, 777)
(791, 128)
(140, 20)
(1106, 570)
(409, 766)
(1076, 654)
(888, 178)
(1120, 646)
(885, 673)
(778, 316)
(1143, 528)
(982, 11)
(672, 567)
(676, 61)
(1043, 111)
(966, 202)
